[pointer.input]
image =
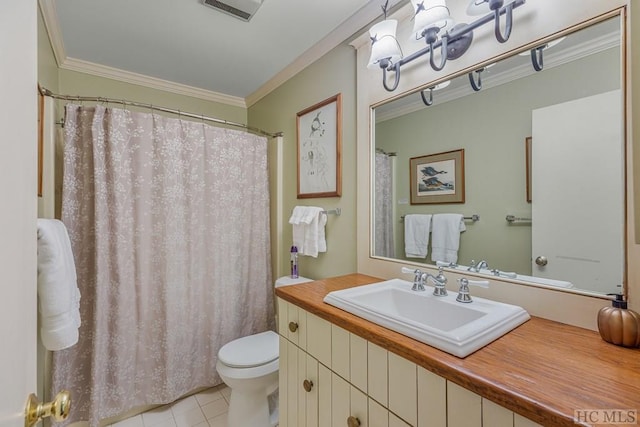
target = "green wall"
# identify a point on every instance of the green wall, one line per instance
(332, 74)
(491, 126)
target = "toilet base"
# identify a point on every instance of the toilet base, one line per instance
(250, 408)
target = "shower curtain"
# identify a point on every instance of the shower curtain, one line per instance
(384, 243)
(169, 224)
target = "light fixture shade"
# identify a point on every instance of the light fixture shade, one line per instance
(430, 14)
(384, 44)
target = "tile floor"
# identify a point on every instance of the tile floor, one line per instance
(205, 409)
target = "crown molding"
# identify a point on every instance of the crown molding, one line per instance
(87, 67)
(551, 60)
(50, 17)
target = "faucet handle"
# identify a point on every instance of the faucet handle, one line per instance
(409, 270)
(463, 293)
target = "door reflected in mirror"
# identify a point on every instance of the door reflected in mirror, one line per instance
(572, 111)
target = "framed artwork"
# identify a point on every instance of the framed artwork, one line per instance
(437, 178)
(527, 150)
(319, 131)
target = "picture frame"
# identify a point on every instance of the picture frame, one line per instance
(437, 178)
(527, 150)
(319, 149)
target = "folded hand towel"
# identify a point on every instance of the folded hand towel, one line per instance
(308, 230)
(445, 240)
(416, 235)
(59, 297)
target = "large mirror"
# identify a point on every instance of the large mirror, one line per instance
(540, 155)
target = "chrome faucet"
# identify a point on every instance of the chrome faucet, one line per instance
(477, 267)
(463, 293)
(420, 279)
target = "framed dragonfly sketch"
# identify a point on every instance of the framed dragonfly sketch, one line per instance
(319, 133)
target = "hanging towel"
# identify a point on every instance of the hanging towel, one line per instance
(445, 239)
(416, 235)
(308, 230)
(58, 294)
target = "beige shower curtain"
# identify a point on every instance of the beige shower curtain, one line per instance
(169, 223)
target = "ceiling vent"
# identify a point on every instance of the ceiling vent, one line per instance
(241, 9)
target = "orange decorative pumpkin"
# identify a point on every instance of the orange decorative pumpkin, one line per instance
(619, 325)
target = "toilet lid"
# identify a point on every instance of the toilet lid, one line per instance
(247, 352)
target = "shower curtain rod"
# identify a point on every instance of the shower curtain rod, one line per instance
(47, 92)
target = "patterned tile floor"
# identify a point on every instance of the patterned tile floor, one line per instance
(205, 409)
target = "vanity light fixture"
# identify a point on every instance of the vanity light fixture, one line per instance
(537, 53)
(434, 24)
(429, 101)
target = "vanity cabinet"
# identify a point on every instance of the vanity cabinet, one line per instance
(330, 377)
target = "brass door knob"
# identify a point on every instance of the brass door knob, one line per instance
(353, 422)
(293, 326)
(307, 385)
(58, 409)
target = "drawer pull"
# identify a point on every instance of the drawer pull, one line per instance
(353, 422)
(293, 326)
(307, 385)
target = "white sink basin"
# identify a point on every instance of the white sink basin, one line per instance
(441, 322)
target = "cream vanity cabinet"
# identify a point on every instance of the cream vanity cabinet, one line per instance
(330, 377)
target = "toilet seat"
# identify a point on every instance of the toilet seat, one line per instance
(250, 351)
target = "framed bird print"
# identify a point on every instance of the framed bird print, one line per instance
(319, 133)
(437, 178)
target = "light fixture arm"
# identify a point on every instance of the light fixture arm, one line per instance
(427, 102)
(387, 66)
(443, 57)
(508, 11)
(537, 58)
(476, 85)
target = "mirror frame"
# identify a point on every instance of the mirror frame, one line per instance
(531, 29)
(420, 263)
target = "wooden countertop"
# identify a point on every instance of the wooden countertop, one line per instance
(542, 370)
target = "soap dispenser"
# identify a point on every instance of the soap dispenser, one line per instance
(618, 324)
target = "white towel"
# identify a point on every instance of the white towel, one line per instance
(59, 297)
(416, 235)
(308, 230)
(445, 239)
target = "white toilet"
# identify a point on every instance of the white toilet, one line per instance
(249, 366)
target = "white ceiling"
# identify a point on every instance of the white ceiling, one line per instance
(197, 47)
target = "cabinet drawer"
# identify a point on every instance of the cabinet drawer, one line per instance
(403, 387)
(340, 353)
(319, 339)
(377, 373)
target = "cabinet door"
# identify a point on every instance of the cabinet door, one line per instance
(359, 407)
(340, 401)
(324, 396)
(432, 395)
(292, 385)
(283, 398)
(296, 326)
(378, 414)
(283, 317)
(495, 415)
(464, 408)
(311, 388)
(340, 356)
(358, 361)
(377, 373)
(394, 421)
(520, 421)
(319, 339)
(403, 384)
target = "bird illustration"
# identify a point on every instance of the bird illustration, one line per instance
(430, 171)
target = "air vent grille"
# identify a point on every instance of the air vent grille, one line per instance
(226, 8)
